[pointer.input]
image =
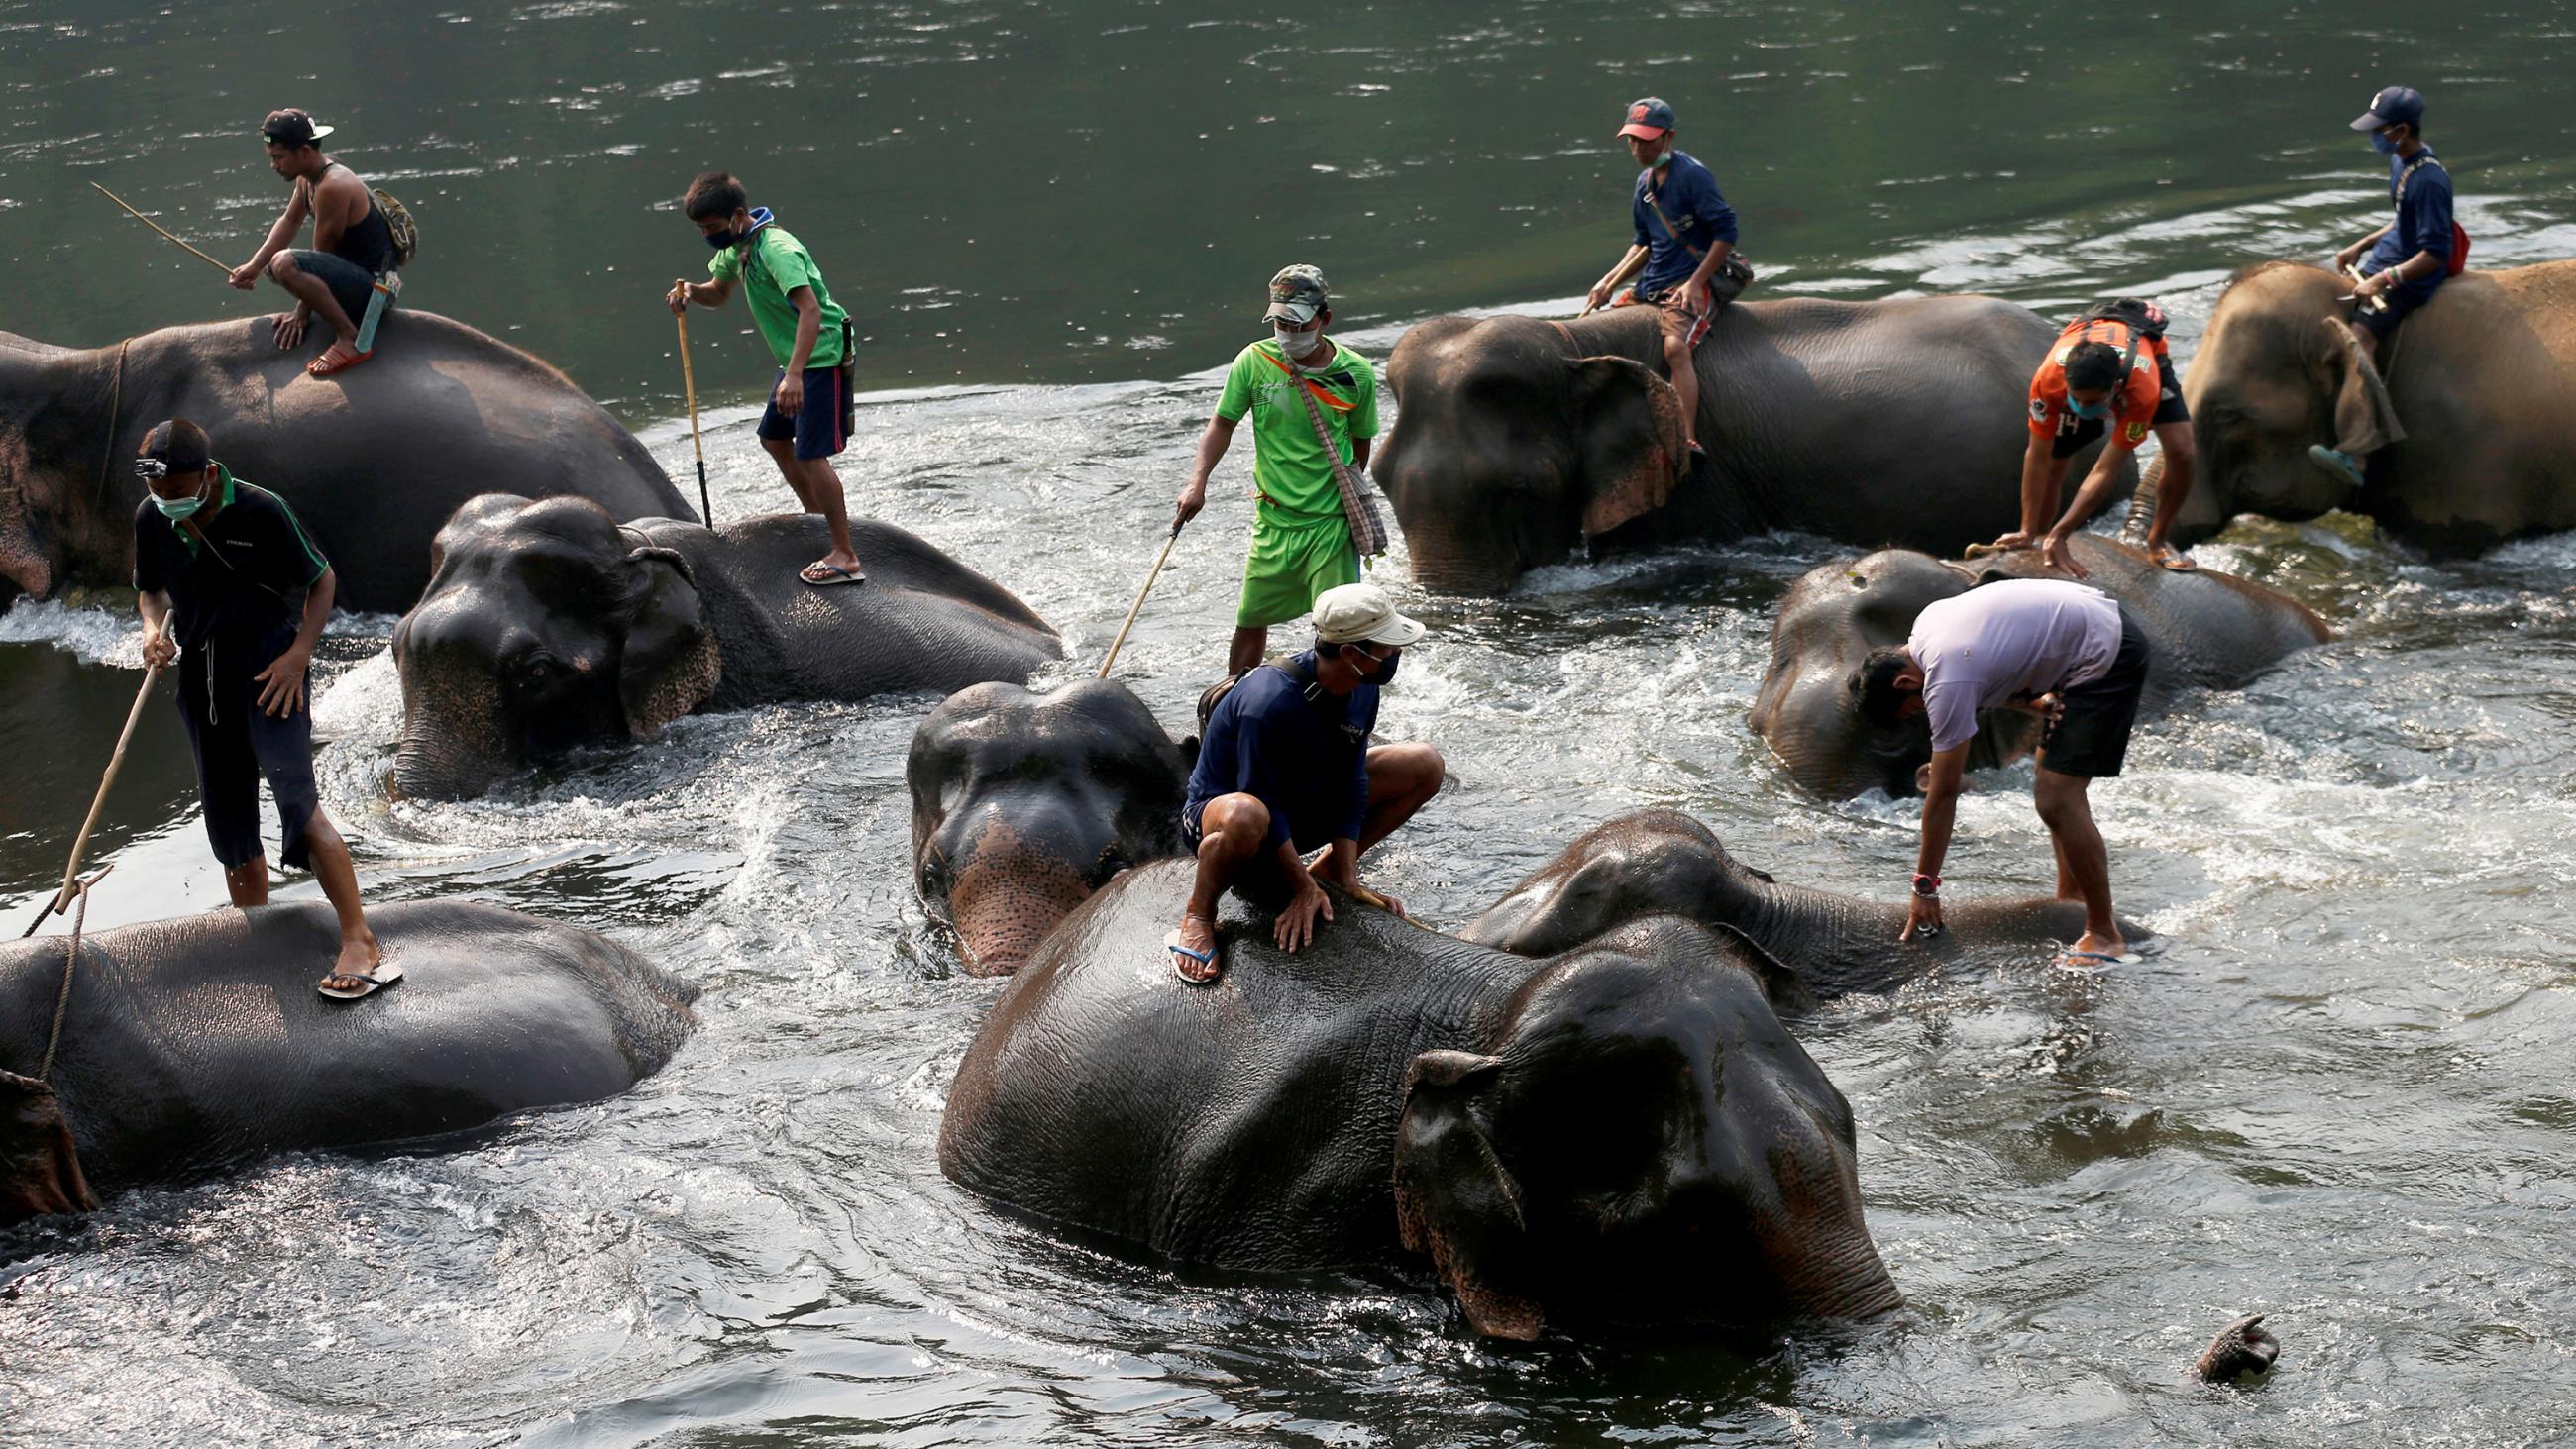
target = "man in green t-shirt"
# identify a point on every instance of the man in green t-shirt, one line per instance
(810, 409)
(1301, 539)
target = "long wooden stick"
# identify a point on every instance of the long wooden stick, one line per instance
(80, 844)
(156, 226)
(689, 380)
(1139, 606)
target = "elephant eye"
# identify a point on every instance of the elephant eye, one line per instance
(934, 874)
(1112, 861)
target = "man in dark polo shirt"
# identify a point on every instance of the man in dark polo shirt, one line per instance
(1287, 768)
(2068, 653)
(2405, 262)
(231, 586)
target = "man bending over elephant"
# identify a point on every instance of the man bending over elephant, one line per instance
(1685, 244)
(352, 243)
(1301, 537)
(2109, 370)
(810, 409)
(1287, 767)
(229, 570)
(2068, 653)
(2408, 259)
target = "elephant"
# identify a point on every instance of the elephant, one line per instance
(1619, 1136)
(548, 627)
(1663, 862)
(2466, 425)
(1519, 439)
(2203, 629)
(197, 1045)
(1023, 804)
(373, 461)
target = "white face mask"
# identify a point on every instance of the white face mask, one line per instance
(1295, 343)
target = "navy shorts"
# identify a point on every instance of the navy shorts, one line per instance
(2401, 300)
(2169, 409)
(821, 427)
(237, 744)
(1306, 841)
(2090, 736)
(350, 285)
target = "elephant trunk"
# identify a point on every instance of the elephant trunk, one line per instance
(451, 746)
(40, 1170)
(2142, 504)
(1013, 873)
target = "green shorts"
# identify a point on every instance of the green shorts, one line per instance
(1290, 565)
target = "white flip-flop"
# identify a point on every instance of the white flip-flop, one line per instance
(385, 974)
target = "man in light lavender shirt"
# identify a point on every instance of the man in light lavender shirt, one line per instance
(2068, 653)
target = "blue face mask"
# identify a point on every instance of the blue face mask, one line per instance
(760, 217)
(2380, 142)
(2087, 410)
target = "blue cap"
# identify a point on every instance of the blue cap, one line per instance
(1648, 119)
(2395, 106)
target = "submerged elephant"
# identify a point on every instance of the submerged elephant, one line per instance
(548, 627)
(1521, 439)
(1023, 804)
(2203, 629)
(1663, 862)
(373, 460)
(2480, 440)
(1621, 1135)
(196, 1045)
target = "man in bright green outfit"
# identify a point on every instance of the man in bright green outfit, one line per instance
(1301, 539)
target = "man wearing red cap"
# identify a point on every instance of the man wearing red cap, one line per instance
(1684, 258)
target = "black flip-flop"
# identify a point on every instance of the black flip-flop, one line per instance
(385, 974)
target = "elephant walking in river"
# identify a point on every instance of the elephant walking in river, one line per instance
(1622, 1134)
(1520, 440)
(373, 461)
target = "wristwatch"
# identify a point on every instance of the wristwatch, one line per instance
(1927, 885)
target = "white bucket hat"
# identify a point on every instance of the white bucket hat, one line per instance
(1362, 613)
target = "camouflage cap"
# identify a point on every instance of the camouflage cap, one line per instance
(1296, 295)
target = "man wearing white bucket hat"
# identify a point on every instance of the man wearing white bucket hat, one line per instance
(1286, 767)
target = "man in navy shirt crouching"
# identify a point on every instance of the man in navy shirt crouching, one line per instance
(1287, 768)
(2405, 262)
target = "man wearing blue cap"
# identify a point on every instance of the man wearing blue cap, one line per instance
(1685, 247)
(2408, 259)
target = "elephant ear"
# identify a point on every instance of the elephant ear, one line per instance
(1631, 444)
(670, 665)
(2364, 419)
(40, 1170)
(1454, 1198)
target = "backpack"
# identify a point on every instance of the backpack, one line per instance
(399, 225)
(2459, 261)
(2142, 317)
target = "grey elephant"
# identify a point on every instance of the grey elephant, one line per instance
(1622, 1135)
(2203, 629)
(1023, 804)
(1520, 440)
(548, 626)
(373, 461)
(1663, 862)
(196, 1045)
(2465, 428)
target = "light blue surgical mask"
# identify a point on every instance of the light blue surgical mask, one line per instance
(175, 509)
(2380, 142)
(2087, 410)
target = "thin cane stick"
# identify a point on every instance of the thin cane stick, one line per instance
(689, 380)
(156, 226)
(80, 844)
(1139, 606)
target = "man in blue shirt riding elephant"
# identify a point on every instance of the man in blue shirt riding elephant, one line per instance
(2405, 262)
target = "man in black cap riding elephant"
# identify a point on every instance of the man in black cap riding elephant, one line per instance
(1684, 257)
(353, 244)
(2405, 262)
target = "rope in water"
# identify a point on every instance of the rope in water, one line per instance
(71, 958)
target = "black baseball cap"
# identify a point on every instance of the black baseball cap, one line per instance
(291, 127)
(177, 446)
(2395, 106)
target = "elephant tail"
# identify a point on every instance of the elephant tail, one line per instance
(2142, 502)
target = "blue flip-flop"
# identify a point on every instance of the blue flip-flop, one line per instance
(2096, 960)
(1185, 961)
(2336, 461)
(840, 575)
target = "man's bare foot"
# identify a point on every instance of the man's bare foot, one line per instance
(1192, 949)
(2094, 950)
(356, 964)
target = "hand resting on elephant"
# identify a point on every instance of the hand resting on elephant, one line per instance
(195, 1045)
(1618, 1136)
(1023, 804)
(548, 627)
(1663, 862)
(2204, 630)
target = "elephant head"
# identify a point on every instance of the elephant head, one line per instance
(1515, 441)
(2275, 373)
(546, 627)
(67, 492)
(1642, 1143)
(40, 1173)
(1650, 862)
(1023, 804)
(1827, 624)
